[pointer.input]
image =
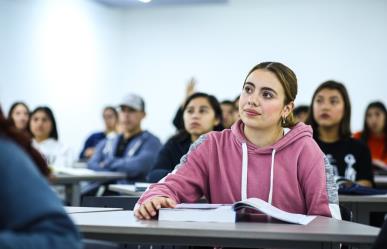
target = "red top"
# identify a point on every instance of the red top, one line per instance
(376, 145)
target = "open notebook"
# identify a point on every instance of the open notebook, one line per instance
(228, 213)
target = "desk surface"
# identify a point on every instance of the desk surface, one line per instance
(380, 179)
(97, 176)
(127, 189)
(123, 226)
(73, 210)
(363, 198)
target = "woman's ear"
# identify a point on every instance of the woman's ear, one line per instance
(288, 108)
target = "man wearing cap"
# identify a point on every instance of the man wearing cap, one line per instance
(133, 151)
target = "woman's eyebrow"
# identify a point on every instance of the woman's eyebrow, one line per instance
(268, 89)
(249, 83)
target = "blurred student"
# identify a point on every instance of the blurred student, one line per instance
(190, 89)
(301, 113)
(110, 118)
(31, 215)
(228, 113)
(134, 151)
(330, 116)
(236, 104)
(374, 133)
(45, 138)
(202, 113)
(264, 155)
(19, 115)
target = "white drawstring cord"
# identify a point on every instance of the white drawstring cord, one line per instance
(271, 176)
(244, 172)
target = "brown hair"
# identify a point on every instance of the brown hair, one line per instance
(288, 80)
(22, 139)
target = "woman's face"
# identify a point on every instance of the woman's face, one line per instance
(261, 104)
(228, 114)
(328, 108)
(110, 119)
(40, 125)
(20, 117)
(375, 120)
(199, 117)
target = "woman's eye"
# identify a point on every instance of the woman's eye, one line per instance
(248, 89)
(267, 95)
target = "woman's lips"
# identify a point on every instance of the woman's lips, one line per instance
(251, 112)
(194, 125)
(325, 116)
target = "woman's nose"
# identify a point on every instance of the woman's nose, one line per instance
(252, 101)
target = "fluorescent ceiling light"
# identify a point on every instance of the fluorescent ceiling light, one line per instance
(145, 1)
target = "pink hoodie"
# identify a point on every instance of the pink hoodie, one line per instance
(225, 168)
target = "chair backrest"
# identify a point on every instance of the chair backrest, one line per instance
(125, 202)
(346, 213)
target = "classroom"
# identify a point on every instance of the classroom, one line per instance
(193, 123)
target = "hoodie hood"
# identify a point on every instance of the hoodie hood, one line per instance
(299, 131)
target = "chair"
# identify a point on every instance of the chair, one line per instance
(346, 214)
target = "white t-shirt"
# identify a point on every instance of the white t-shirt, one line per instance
(56, 154)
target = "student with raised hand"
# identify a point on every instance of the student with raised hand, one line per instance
(374, 133)
(110, 117)
(31, 215)
(330, 116)
(202, 113)
(264, 155)
(19, 115)
(134, 151)
(45, 138)
(228, 113)
(190, 89)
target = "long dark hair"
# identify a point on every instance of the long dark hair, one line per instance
(54, 132)
(365, 134)
(345, 123)
(13, 106)
(22, 139)
(214, 103)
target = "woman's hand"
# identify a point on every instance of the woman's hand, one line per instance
(149, 208)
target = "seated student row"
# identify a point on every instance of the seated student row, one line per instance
(43, 238)
(331, 131)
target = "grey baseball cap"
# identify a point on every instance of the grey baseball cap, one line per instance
(133, 101)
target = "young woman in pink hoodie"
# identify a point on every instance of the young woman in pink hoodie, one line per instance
(265, 154)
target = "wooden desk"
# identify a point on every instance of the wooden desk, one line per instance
(122, 226)
(363, 205)
(72, 183)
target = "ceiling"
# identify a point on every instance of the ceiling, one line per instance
(137, 3)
